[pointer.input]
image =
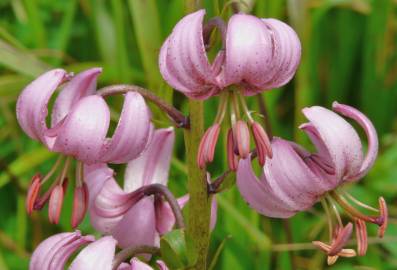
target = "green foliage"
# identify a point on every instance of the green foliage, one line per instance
(349, 55)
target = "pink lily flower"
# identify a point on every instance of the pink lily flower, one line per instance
(126, 214)
(55, 251)
(295, 179)
(257, 55)
(79, 126)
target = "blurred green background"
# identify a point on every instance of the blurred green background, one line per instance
(349, 55)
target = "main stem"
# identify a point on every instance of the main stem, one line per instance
(199, 206)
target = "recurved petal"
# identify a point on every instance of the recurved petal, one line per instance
(248, 51)
(165, 218)
(138, 226)
(183, 60)
(286, 53)
(83, 84)
(97, 255)
(153, 165)
(370, 131)
(139, 265)
(336, 141)
(258, 195)
(84, 130)
(32, 103)
(290, 178)
(53, 252)
(132, 133)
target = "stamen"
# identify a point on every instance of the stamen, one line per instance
(245, 108)
(232, 158)
(53, 169)
(384, 216)
(220, 115)
(80, 204)
(33, 193)
(329, 218)
(361, 235)
(242, 137)
(55, 204)
(350, 197)
(262, 143)
(207, 145)
(335, 210)
(351, 210)
(341, 239)
(79, 173)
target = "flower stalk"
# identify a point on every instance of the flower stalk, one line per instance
(177, 117)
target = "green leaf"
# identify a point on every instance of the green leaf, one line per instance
(178, 251)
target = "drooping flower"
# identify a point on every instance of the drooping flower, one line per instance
(295, 179)
(78, 130)
(257, 55)
(127, 214)
(55, 251)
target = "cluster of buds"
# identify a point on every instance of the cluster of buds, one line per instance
(257, 55)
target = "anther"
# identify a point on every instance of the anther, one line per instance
(33, 193)
(207, 145)
(361, 235)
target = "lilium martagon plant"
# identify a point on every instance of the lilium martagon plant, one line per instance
(295, 179)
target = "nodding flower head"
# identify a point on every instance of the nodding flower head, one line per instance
(295, 179)
(79, 126)
(257, 55)
(55, 251)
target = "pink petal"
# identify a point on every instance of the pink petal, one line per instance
(214, 213)
(370, 131)
(95, 176)
(32, 103)
(53, 252)
(110, 205)
(84, 130)
(248, 50)
(97, 255)
(335, 139)
(290, 178)
(183, 61)
(258, 195)
(260, 54)
(139, 265)
(83, 84)
(165, 218)
(153, 165)
(132, 132)
(288, 56)
(161, 265)
(137, 227)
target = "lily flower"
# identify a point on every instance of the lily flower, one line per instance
(295, 179)
(127, 214)
(78, 131)
(257, 55)
(55, 251)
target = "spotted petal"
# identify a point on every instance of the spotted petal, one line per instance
(32, 103)
(153, 165)
(54, 252)
(84, 130)
(336, 141)
(183, 60)
(132, 132)
(83, 84)
(138, 225)
(97, 255)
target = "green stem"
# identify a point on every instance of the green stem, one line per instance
(199, 204)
